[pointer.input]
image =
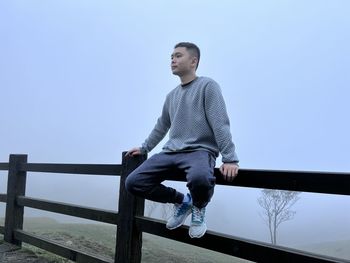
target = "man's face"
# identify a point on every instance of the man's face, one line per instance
(182, 62)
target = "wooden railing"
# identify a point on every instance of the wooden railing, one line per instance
(130, 219)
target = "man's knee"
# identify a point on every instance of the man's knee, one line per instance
(200, 180)
(130, 183)
(136, 184)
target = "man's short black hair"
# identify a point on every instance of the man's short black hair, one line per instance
(192, 48)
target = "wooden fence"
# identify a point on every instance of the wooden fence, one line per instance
(130, 219)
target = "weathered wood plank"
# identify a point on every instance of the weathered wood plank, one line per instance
(129, 238)
(4, 166)
(59, 249)
(106, 216)
(234, 246)
(3, 198)
(314, 182)
(94, 169)
(16, 185)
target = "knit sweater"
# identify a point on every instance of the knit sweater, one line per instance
(195, 116)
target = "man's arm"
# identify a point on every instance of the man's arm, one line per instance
(219, 121)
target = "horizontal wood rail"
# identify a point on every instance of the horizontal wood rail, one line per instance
(105, 216)
(130, 217)
(4, 166)
(3, 198)
(230, 245)
(95, 169)
(300, 181)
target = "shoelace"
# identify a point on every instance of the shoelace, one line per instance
(198, 214)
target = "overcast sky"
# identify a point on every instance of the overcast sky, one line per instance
(82, 81)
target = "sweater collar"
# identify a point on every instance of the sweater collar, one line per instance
(188, 83)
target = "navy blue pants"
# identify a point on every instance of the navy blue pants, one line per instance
(197, 167)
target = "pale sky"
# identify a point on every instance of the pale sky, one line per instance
(82, 81)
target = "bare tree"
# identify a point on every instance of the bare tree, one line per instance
(276, 206)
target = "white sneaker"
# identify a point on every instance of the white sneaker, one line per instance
(198, 226)
(180, 213)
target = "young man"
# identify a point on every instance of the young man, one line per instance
(194, 113)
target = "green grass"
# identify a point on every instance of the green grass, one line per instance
(99, 239)
(157, 250)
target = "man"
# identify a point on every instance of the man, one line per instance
(194, 113)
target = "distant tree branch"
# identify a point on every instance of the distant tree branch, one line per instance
(276, 205)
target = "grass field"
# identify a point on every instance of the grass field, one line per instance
(100, 239)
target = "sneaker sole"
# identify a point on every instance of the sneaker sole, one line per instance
(195, 236)
(181, 223)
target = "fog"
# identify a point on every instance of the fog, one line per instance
(83, 81)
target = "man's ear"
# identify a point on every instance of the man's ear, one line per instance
(195, 61)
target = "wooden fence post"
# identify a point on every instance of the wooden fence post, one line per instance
(16, 185)
(129, 238)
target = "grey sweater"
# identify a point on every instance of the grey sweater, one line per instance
(197, 118)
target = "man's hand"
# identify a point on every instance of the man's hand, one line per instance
(133, 152)
(229, 171)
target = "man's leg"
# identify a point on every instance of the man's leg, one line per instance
(146, 180)
(199, 168)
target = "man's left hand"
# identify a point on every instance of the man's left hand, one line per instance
(229, 171)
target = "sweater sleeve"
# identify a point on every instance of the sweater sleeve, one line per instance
(159, 131)
(218, 119)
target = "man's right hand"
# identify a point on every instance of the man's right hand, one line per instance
(134, 151)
